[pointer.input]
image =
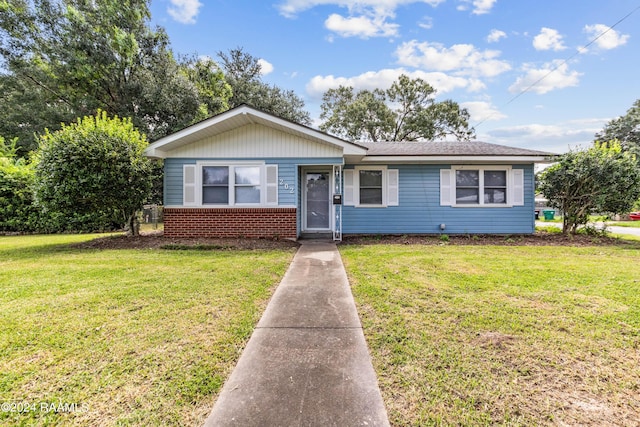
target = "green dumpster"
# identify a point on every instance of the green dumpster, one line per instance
(549, 214)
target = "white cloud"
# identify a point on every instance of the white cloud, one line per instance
(265, 67)
(552, 76)
(290, 8)
(383, 79)
(480, 7)
(495, 36)
(548, 39)
(556, 138)
(465, 59)
(426, 23)
(607, 38)
(184, 11)
(481, 111)
(361, 26)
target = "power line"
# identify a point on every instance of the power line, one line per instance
(564, 62)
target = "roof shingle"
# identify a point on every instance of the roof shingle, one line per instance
(446, 148)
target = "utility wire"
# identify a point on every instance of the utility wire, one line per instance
(578, 51)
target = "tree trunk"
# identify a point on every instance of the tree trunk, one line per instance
(133, 225)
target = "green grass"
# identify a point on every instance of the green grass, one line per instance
(549, 228)
(632, 224)
(556, 219)
(149, 227)
(133, 337)
(488, 335)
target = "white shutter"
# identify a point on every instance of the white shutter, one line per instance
(517, 187)
(447, 187)
(392, 187)
(272, 184)
(189, 185)
(349, 187)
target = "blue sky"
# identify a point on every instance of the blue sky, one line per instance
(486, 55)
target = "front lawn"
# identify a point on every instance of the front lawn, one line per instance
(506, 335)
(123, 337)
(632, 224)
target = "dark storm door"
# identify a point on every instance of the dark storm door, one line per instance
(317, 201)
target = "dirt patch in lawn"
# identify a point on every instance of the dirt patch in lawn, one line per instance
(156, 240)
(540, 238)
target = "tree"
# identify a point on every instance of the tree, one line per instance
(243, 73)
(69, 58)
(210, 82)
(407, 111)
(29, 109)
(625, 129)
(91, 175)
(602, 179)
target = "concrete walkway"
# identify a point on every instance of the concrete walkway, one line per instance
(307, 362)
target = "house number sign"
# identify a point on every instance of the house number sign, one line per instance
(287, 186)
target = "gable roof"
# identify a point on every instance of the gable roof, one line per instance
(366, 152)
(451, 152)
(241, 116)
(446, 148)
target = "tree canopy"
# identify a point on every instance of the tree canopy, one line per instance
(243, 72)
(407, 111)
(601, 179)
(625, 129)
(91, 175)
(65, 59)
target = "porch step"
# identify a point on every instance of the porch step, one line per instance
(316, 236)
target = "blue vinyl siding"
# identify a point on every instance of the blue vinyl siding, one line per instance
(419, 210)
(287, 174)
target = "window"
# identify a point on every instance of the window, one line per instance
(370, 187)
(214, 184)
(247, 184)
(481, 186)
(471, 184)
(495, 187)
(467, 187)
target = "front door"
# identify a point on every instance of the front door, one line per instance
(317, 204)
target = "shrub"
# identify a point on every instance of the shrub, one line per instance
(91, 175)
(17, 212)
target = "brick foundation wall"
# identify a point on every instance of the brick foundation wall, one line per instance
(230, 222)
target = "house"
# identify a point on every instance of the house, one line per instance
(248, 173)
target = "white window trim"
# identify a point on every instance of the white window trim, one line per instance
(481, 169)
(231, 166)
(356, 185)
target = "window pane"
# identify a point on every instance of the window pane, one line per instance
(467, 196)
(371, 196)
(215, 175)
(215, 195)
(248, 194)
(249, 175)
(371, 178)
(495, 195)
(495, 178)
(467, 178)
